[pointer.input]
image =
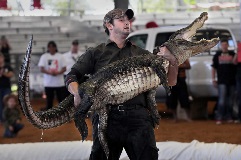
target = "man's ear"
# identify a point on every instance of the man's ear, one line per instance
(109, 26)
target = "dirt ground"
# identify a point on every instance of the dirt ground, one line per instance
(182, 131)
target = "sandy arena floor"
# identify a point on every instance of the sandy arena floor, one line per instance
(182, 131)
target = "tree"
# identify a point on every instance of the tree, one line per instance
(65, 7)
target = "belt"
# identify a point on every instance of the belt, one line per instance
(122, 107)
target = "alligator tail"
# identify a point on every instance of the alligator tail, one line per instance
(51, 118)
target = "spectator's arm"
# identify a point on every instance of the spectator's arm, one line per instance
(8, 74)
(62, 70)
(214, 79)
(43, 70)
(235, 59)
(185, 65)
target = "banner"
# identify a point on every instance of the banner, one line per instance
(239, 52)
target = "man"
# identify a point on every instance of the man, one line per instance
(223, 77)
(6, 73)
(5, 48)
(71, 58)
(179, 93)
(52, 65)
(131, 129)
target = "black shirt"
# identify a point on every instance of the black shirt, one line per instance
(5, 51)
(96, 58)
(5, 81)
(226, 70)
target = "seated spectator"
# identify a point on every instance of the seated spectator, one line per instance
(6, 73)
(11, 116)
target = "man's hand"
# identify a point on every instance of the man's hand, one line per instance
(173, 65)
(165, 53)
(73, 89)
(54, 72)
(77, 100)
(215, 83)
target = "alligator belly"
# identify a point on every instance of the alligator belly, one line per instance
(128, 85)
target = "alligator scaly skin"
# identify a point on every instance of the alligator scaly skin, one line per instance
(42, 119)
(113, 84)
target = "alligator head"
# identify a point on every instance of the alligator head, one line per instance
(180, 45)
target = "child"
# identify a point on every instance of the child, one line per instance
(11, 116)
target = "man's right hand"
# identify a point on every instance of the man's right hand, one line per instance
(73, 89)
(77, 100)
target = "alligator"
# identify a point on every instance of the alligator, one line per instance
(114, 84)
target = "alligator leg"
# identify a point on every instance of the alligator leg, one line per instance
(152, 106)
(80, 115)
(161, 73)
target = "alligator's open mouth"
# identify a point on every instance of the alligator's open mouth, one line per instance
(180, 45)
(188, 32)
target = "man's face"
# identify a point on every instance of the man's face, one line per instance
(75, 48)
(121, 26)
(224, 46)
(52, 49)
(11, 103)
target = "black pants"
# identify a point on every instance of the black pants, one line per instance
(179, 93)
(50, 92)
(132, 130)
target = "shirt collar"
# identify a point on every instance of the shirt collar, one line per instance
(109, 42)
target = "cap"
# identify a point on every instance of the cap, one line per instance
(118, 13)
(75, 42)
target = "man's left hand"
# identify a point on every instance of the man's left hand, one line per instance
(165, 53)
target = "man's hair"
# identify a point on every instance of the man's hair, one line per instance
(224, 40)
(8, 96)
(75, 42)
(52, 43)
(106, 29)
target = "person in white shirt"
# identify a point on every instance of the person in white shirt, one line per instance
(52, 64)
(71, 58)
